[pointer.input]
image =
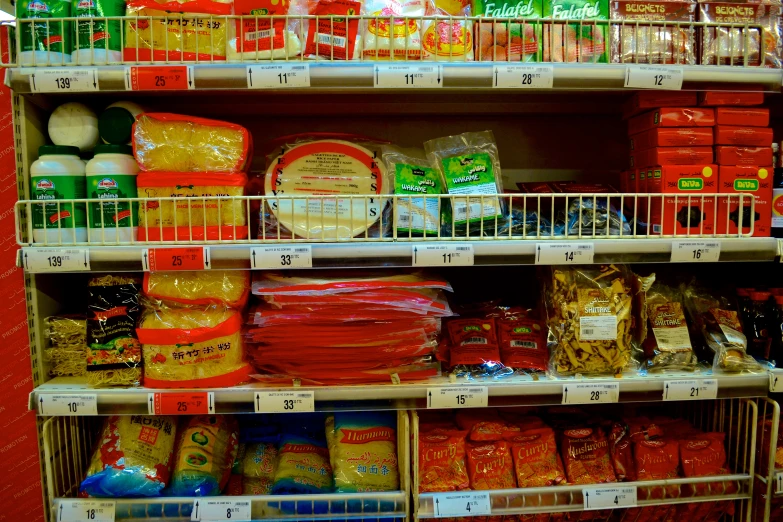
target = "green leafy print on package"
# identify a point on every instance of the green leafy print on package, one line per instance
(474, 175)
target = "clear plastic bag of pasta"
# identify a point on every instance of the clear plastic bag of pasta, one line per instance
(67, 344)
(196, 347)
(667, 345)
(226, 287)
(259, 467)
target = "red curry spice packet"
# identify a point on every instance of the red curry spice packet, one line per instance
(586, 456)
(657, 460)
(473, 341)
(490, 466)
(442, 461)
(536, 461)
(522, 344)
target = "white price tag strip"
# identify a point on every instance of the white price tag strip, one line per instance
(580, 393)
(653, 77)
(779, 482)
(213, 510)
(695, 251)
(282, 76)
(458, 397)
(67, 404)
(443, 255)
(49, 260)
(81, 79)
(523, 76)
(276, 257)
(85, 511)
(690, 390)
(284, 401)
(408, 76)
(776, 381)
(556, 253)
(461, 504)
(608, 497)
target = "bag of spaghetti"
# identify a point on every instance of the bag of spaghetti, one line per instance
(113, 349)
(195, 30)
(132, 457)
(258, 36)
(198, 347)
(205, 287)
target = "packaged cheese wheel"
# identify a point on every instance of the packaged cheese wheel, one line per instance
(227, 287)
(325, 168)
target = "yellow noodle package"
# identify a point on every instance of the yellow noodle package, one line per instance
(192, 347)
(363, 451)
(258, 468)
(227, 287)
(67, 350)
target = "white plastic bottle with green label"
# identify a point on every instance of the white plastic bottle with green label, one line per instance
(111, 176)
(42, 41)
(97, 42)
(58, 174)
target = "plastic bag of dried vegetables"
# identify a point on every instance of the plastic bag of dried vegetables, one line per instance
(590, 321)
(67, 344)
(667, 345)
(114, 351)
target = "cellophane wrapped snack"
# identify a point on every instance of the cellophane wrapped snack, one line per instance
(657, 460)
(667, 345)
(67, 344)
(586, 455)
(590, 319)
(259, 37)
(703, 455)
(442, 461)
(646, 43)
(736, 45)
(304, 465)
(395, 33)
(576, 42)
(258, 470)
(522, 342)
(132, 457)
(227, 287)
(335, 34)
(490, 465)
(537, 462)
(503, 37)
(446, 37)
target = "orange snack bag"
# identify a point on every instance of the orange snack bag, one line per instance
(620, 450)
(536, 461)
(657, 460)
(488, 431)
(490, 466)
(442, 461)
(586, 456)
(703, 456)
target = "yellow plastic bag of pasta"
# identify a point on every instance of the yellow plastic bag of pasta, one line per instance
(198, 347)
(258, 468)
(227, 287)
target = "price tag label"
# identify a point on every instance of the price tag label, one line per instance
(68, 404)
(461, 504)
(408, 76)
(690, 390)
(81, 79)
(580, 393)
(556, 253)
(48, 260)
(192, 403)
(523, 76)
(85, 511)
(285, 401)
(278, 76)
(443, 255)
(213, 510)
(276, 257)
(607, 498)
(458, 397)
(653, 77)
(695, 251)
(779, 482)
(188, 258)
(776, 381)
(159, 78)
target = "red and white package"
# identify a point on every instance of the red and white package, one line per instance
(731, 98)
(680, 155)
(672, 137)
(657, 460)
(473, 341)
(642, 101)
(332, 37)
(704, 455)
(522, 343)
(744, 136)
(586, 456)
(672, 117)
(643, 43)
(395, 32)
(758, 156)
(742, 117)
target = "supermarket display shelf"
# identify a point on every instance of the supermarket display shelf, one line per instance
(399, 253)
(360, 75)
(515, 391)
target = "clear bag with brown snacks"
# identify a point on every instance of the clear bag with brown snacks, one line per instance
(667, 345)
(714, 319)
(590, 320)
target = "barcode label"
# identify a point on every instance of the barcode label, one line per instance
(588, 331)
(463, 249)
(258, 35)
(523, 344)
(330, 39)
(301, 250)
(475, 340)
(298, 67)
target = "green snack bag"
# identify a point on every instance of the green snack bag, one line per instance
(44, 42)
(414, 175)
(506, 41)
(98, 36)
(576, 42)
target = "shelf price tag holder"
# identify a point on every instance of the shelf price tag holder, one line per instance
(564, 253)
(457, 397)
(585, 393)
(89, 510)
(278, 76)
(690, 390)
(49, 260)
(277, 257)
(408, 76)
(778, 478)
(70, 79)
(159, 78)
(609, 497)
(776, 381)
(457, 254)
(461, 504)
(284, 401)
(653, 77)
(181, 403)
(214, 510)
(184, 258)
(523, 76)
(695, 251)
(67, 404)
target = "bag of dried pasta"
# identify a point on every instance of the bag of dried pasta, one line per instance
(132, 457)
(113, 349)
(258, 469)
(67, 344)
(226, 287)
(589, 314)
(192, 347)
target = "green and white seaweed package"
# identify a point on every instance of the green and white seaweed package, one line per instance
(414, 175)
(470, 166)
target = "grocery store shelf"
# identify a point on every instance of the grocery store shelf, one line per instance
(515, 391)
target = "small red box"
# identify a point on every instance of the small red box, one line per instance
(672, 117)
(727, 155)
(534, 188)
(670, 215)
(639, 159)
(680, 156)
(672, 137)
(644, 100)
(745, 179)
(742, 117)
(723, 98)
(747, 136)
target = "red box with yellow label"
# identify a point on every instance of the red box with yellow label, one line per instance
(677, 215)
(751, 180)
